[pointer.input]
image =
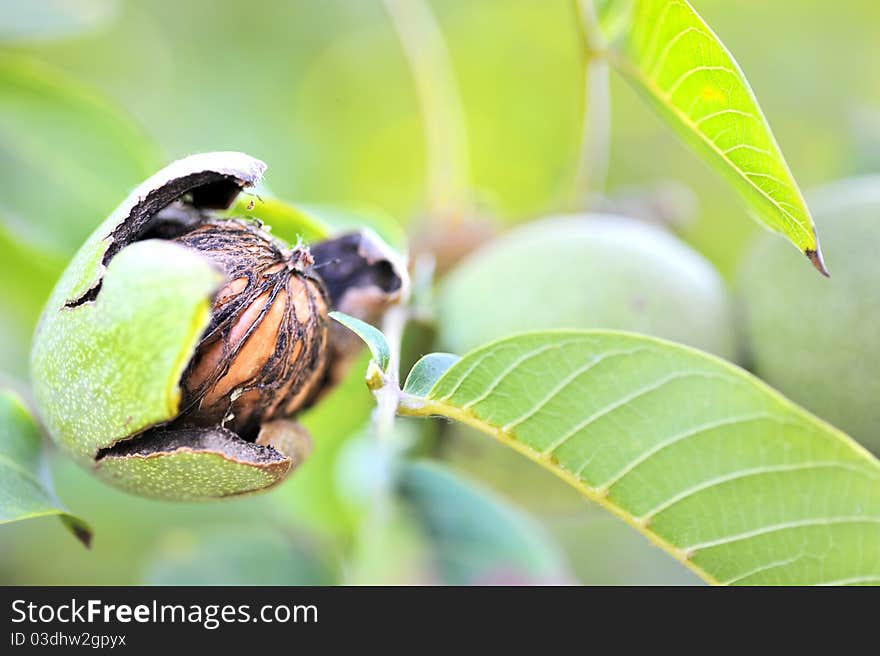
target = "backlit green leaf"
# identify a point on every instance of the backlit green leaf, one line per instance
(667, 51)
(713, 466)
(23, 494)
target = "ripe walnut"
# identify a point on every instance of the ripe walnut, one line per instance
(179, 346)
(264, 352)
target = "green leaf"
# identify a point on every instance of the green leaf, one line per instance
(23, 494)
(474, 536)
(668, 53)
(722, 472)
(67, 157)
(427, 371)
(371, 335)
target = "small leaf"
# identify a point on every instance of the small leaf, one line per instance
(667, 52)
(476, 537)
(371, 335)
(67, 156)
(23, 495)
(427, 371)
(724, 473)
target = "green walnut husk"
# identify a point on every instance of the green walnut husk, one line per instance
(816, 340)
(118, 362)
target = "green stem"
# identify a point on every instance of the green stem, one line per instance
(388, 393)
(592, 168)
(446, 142)
(385, 386)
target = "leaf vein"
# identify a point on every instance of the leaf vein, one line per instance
(673, 89)
(660, 23)
(851, 580)
(782, 526)
(766, 567)
(611, 407)
(657, 67)
(722, 112)
(746, 473)
(565, 382)
(512, 367)
(756, 149)
(683, 435)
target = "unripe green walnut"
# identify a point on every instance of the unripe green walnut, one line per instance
(586, 271)
(177, 347)
(816, 339)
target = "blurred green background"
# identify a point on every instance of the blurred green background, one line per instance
(97, 94)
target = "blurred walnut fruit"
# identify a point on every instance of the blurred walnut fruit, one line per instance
(815, 339)
(178, 347)
(588, 271)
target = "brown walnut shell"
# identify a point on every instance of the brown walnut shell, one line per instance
(264, 353)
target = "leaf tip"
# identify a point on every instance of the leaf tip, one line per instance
(81, 531)
(815, 256)
(372, 337)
